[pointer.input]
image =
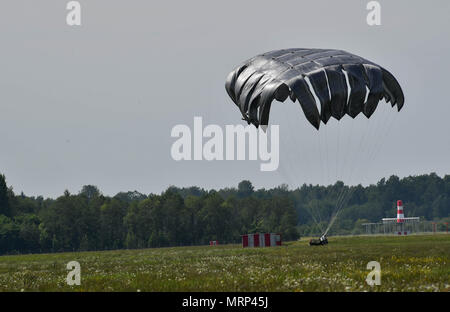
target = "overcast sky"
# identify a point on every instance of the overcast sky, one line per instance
(95, 104)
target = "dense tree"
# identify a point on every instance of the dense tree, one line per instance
(130, 196)
(9, 235)
(4, 197)
(90, 191)
(112, 230)
(245, 188)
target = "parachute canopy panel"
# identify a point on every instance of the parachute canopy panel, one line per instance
(342, 82)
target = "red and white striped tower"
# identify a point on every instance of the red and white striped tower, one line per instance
(400, 214)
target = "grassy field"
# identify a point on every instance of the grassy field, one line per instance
(413, 263)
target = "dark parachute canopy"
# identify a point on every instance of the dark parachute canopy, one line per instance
(287, 73)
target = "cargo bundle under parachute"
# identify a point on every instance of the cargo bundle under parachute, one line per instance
(319, 242)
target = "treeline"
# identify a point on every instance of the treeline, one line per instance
(193, 216)
(177, 217)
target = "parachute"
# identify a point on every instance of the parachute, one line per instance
(326, 83)
(344, 83)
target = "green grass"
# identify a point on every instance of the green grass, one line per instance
(413, 263)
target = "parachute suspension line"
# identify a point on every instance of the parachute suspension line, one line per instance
(285, 175)
(393, 121)
(345, 193)
(382, 123)
(281, 170)
(292, 182)
(319, 152)
(348, 172)
(343, 168)
(361, 152)
(381, 139)
(291, 177)
(325, 165)
(351, 170)
(318, 217)
(387, 123)
(327, 160)
(338, 170)
(338, 176)
(374, 152)
(322, 178)
(318, 223)
(289, 162)
(337, 152)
